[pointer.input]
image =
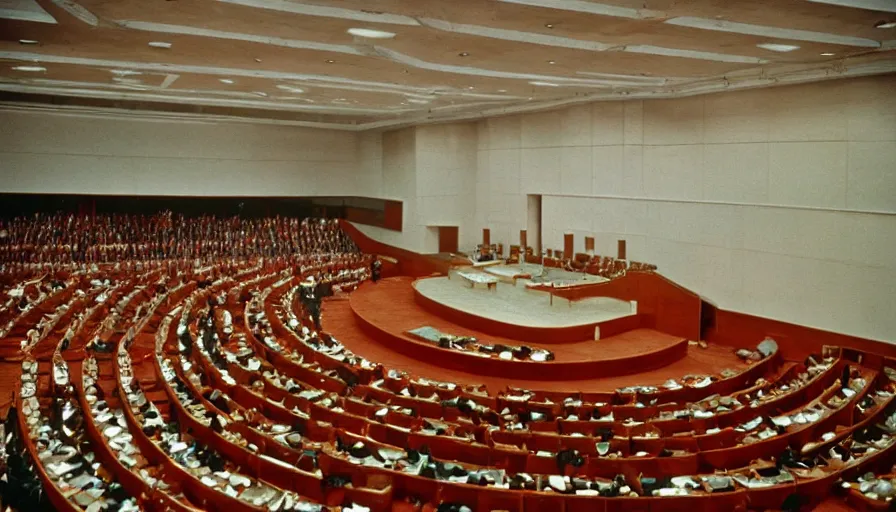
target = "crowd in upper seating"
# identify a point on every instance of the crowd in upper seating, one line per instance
(69, 238)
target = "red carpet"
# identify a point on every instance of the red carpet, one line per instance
(390, 303)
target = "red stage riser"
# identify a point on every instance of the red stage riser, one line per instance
(555, 370)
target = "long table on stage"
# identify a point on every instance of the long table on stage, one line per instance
(478, 278)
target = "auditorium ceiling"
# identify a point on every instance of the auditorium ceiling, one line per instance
(361, 64)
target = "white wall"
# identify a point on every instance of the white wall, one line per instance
(46, 152)
(432, 169)
(395, 152)
(446, 181)
(775, 202)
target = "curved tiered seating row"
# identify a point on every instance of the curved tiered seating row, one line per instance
(107, 423)
(346, 434)
(236, 421)
(753, 412)
(872, 492)
(72, 475)
(189, 392)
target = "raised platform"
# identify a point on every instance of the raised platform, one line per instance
(387, 310)
(511, 310)
(342, 321)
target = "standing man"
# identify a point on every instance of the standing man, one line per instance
(375, 266)
(311, 300)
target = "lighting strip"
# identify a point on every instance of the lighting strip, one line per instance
(872, 5)
(78, 11)
(422, 95)
(251, 38)
(137, 87)
(38, 15)
(480, 96)
(74, 83)
(579, 44)
(25, 10)
(590, 8)
(328, 12)
(643, 80)
(459, 106)
(169, 79)
(467, 70)
(771, 32)
(514, 35)
(692, 54)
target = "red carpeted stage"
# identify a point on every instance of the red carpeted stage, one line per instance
(374, 321)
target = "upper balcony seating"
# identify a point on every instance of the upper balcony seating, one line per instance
(61, 239)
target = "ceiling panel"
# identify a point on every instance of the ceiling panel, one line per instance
(446, 60)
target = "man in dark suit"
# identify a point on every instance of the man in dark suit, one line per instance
(375, 266)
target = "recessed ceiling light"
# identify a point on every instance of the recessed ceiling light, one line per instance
(885, 24)
(259, 93)
(330, 61)
(34, 69)
(548, 25)
(257, 59)
(28, 41)
(225, 81)
(463, 54)
(783, 48)
(552, 62)
(502, 90)
(471, 87)
(827, 54)
(543, 84)
(371, 33)
(160, 44)
(291, 88)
